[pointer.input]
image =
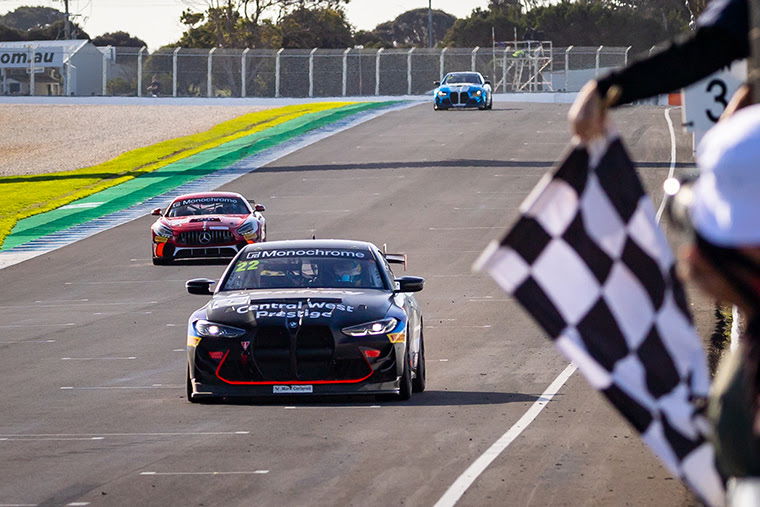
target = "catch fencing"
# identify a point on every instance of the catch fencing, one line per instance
(186, 72)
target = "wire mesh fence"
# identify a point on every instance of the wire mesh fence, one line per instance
(186, 72)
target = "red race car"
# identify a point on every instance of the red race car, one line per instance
(208, 225)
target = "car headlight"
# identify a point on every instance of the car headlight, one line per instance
(248, 227)
(374, 328)
(441, 93)
(162, 230)
(479, 93)
(213, 330)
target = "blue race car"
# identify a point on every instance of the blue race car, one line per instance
(461, 90)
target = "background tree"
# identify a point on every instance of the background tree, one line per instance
(120, 39)
(409, 29)
(26, 17)
(315, 28)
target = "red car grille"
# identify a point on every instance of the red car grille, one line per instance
(204, 238)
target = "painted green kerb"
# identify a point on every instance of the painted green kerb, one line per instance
(163, 180)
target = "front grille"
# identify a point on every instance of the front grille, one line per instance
(271, 351)
(193, 253)
(314, 350)
(202, 238)
(455, 97)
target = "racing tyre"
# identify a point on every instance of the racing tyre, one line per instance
(418, 383)
(405, 389)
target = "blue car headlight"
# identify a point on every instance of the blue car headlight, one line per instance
(442, 93)
(479, 93)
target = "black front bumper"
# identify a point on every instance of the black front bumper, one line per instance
(312, 360)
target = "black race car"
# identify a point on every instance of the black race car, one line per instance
(307, 317)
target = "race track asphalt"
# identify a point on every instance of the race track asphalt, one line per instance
(92, 341)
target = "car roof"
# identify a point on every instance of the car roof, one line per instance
(198, 195)
(465, 72)
(290, 244)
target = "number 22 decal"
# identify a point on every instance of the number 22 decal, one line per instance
(720, 98)
(246, 266)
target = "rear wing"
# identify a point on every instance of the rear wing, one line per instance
(394, 258)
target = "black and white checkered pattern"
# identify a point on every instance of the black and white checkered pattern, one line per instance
(588, 261)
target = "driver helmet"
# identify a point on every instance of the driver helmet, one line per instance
(347, 270)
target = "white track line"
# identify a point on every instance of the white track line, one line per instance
(460, 486)
(99, 436)
(253, 472)
(673, 156)
(468, 477)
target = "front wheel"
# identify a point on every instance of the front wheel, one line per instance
(420, 373)
(405, 389)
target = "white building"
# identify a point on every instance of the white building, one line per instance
(50, 67)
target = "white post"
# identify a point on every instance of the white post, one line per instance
(441, 74)
(70, 69)
(140, 70)
(4, 78)
(567, 67)
(277, 73)
(409, 72)
(209, 81)
(474, 57)
(504, 71)
(377, 71)
(104, 78)
(345, 70)
(243, 71)
(175, 54)
(32, 80)
(311, 72)
(598, 53)
(627, 50)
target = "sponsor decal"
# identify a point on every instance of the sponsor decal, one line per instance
(20, 58)
(160, 239)
(292, 389)
(205, 200)
(295, 310)
(193, 341)
(397, 337)
(307, 252)
(245, 345)
(216, 355)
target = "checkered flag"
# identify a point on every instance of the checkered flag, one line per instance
(588, 261)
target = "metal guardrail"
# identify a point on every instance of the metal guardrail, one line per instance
(185, 72)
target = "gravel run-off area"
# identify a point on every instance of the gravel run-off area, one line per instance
(38, 139)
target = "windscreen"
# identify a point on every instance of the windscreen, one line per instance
(462, 78)
(309, 268)
(207, 206)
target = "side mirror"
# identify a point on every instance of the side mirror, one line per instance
(409, 284)
(156, 212)
(488, 82)
(259, 207)
(200, 286)
(437, 83)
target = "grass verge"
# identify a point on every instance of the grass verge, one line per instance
(25, 196)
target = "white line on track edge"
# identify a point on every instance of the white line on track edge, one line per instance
(468, 477)
(464, 481)
(224, 176)
(673, 157)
